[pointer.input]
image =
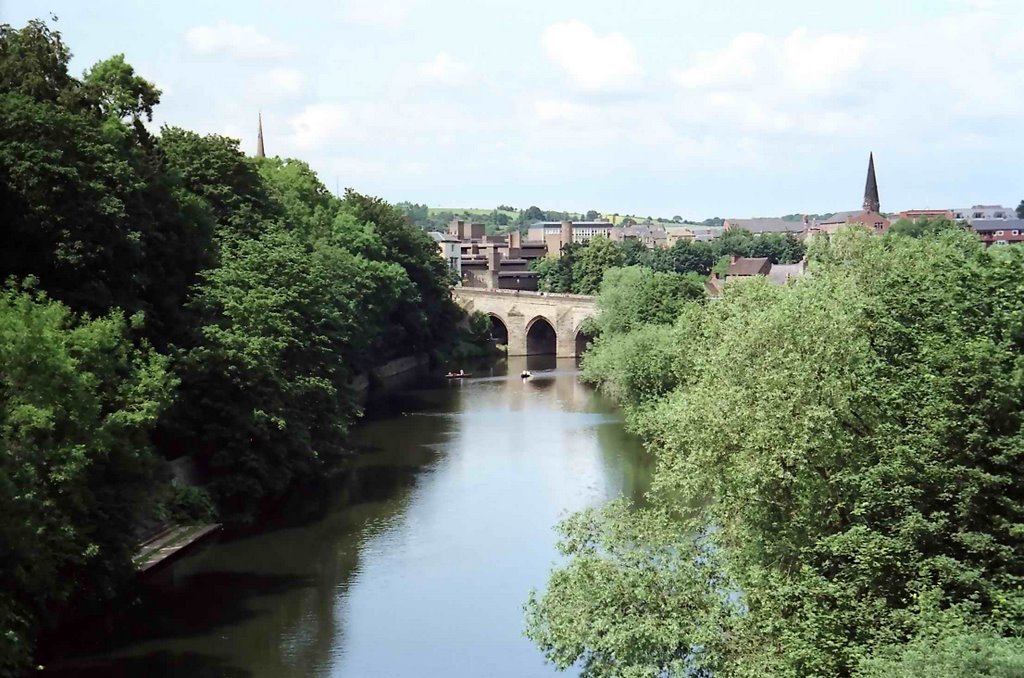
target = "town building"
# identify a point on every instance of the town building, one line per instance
(983, 212)
(450, 249)
(914, 215)
(749, 267)
(691, 233)
(999, 231)
(555, 234)
(579, 231)
(490, 261)
(465, 231)
(649, 235)
(764, 225)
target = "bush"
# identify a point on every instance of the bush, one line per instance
(190, 504)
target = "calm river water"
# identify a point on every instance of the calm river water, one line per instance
(419, 561)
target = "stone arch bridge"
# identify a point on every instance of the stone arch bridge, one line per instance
(532, 323)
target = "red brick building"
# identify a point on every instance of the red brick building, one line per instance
(999, 231)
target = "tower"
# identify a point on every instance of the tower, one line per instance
(871, 203)
(259, 140)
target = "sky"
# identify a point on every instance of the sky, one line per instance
(732, 108)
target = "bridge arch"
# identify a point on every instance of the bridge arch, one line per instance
(582, 340)
(518, 311)
(541, 338)
(499, 329)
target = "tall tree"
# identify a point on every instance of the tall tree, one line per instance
(592, 261)
(88, 209)
(215, 171)
(121, 93)
(76, 473)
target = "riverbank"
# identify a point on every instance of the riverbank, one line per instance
(391, 375)
(415, 559)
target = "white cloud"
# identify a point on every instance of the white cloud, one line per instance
(795, 65)
(277, 84)
(233, 40)
(593, 63)
(445, 70)
(797, 85)
(288, 80)
(406, 125)
(319, 123)
(629, 131)
(906, 89)
(376, 13)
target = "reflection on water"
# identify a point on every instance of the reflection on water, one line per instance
(419, 561)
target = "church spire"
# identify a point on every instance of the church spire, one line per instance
(259, 139)
(871, 203)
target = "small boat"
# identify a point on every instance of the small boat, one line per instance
(526, 374)
(461, 374)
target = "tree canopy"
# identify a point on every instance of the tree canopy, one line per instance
(170, 298)
(78, 402)
(581, 267)
(837, 490)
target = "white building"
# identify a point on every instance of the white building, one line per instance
(450, 249)
(984, 212)
(582, 231)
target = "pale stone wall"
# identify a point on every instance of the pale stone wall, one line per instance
(518, 310)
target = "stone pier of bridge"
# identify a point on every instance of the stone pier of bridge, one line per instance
(529, 319)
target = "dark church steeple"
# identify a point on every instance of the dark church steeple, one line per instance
(871, 188)
(259, 140)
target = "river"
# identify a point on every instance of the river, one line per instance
(419, 560)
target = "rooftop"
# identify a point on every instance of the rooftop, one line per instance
(986, 225)
(744, 266)
(841, 217)
(780, 273)
(764, 225)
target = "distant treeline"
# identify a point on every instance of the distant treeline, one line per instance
(581, 267)
(166, 296)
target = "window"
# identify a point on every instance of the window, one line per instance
(1015, 232)
(978, 215)
(999, 232)
(1000, 242)
(999, 215)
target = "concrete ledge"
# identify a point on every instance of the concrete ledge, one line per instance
(169, 544)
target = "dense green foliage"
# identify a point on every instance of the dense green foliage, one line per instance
(78, 400)
(918, 228)
(580, 268)
(838, 488)
(634, 297)
(255, 297)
